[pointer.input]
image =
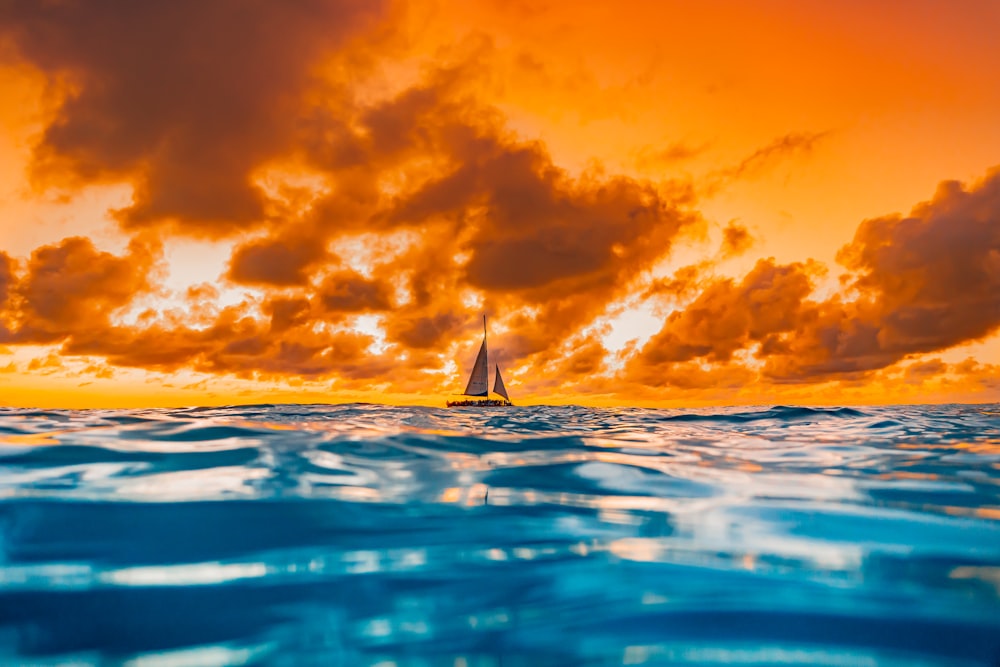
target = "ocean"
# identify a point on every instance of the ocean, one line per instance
(410, 536)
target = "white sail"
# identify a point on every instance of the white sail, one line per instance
(498, 387)
(479, 380)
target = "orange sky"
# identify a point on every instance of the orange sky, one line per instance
(656, 203)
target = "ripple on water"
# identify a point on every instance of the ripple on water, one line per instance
(364, 534)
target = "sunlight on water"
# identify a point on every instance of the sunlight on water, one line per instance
(370, 535)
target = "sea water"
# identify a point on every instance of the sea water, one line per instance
(399, 536)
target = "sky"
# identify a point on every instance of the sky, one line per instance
(655, 203)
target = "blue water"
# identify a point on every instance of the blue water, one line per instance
(372, 535)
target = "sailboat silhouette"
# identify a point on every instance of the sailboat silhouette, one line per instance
(479, 382)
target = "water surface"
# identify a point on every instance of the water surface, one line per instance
(373, 535)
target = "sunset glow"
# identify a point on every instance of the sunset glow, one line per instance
(655, 203)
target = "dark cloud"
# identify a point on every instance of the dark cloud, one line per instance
(183, 98)
(424, 331)
(736, 240)
(350, 292)
(494, 214)
(189, 101)
(71, 286)
(934, 276)
(728, 316)
(7, 278)
(279, 262)
(586, 360)
(286, 313)
(923, 283)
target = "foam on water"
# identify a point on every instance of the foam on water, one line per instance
(364, 535)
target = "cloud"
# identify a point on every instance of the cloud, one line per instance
(47, 365)
(736, 240)
(762, 159)
(243, 89)
(919, 372)
(497, 221)
(922, 283)
(718, 379)
(6, 278)
(280, 262)
(493, 214)
(933, 276)
(349, 292)
(184, 99)
(657, 158)
(286, 313)
(986, 376)
(796, 142)
(584, 361)
(424, 331)
(71, 287)
(728, 316)
(684, 284)
(545, 231)
(234, 343)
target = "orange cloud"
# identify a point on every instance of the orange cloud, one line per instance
(184, 99)
(275, 261)
(933, 276)
(736, 239)
(72, 287)
(6, 279)
(728, 316)
(924, 283)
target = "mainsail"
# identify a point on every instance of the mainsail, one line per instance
(498, 387)
(479, 381)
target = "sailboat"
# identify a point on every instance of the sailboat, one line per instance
(479, 381)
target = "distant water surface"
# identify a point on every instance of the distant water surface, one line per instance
(373, 535)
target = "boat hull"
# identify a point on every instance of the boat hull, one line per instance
(481, 403)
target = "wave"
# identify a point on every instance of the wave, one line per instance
(779, 413)
(360, 534)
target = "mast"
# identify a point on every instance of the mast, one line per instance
(486, 358)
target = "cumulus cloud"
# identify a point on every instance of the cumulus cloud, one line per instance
(934, 276)
(184, 99)
(71, 287)
(728, 316)
(922, 283)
